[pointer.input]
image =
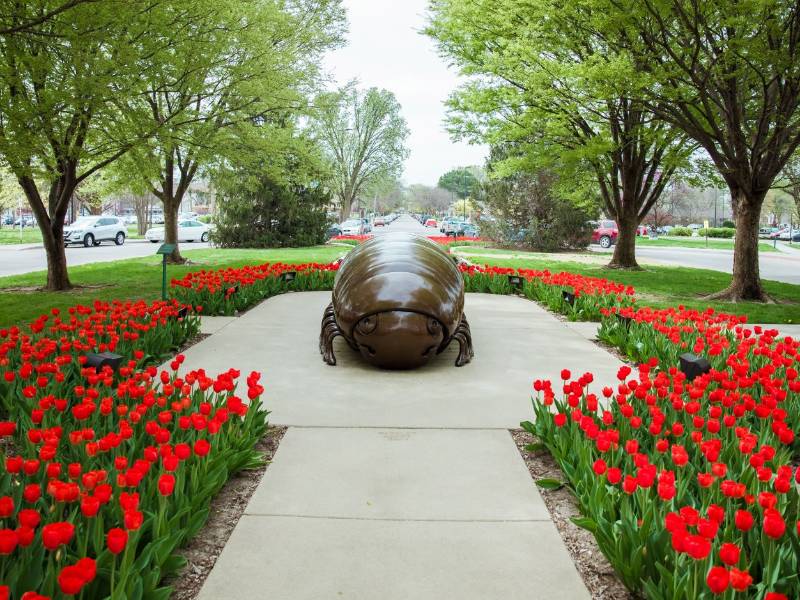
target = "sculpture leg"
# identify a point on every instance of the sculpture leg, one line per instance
(464, 338)
(328, 332)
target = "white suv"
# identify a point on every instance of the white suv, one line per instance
(90, 231)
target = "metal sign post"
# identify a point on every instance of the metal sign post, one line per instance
(165, 250)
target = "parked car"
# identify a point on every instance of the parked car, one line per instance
(430, 223)
(447, 221)
(605, 233)
(188, 231)
(379, 222)
(469, 230)
(352, 227)
(333, 231)
(780, 234)
(642, 230)
(90, 231)
(453, 225)
(367, 226)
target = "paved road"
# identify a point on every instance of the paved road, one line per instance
(407, 223)
(773, 265)
(26, 258)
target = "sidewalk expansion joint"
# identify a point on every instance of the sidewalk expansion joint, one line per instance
(395, 519)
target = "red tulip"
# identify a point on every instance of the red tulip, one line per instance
(729, 553)
(718, 579)
(166, 484)
(116, 540)
(8, 541)
(743, 520)
(740, 580)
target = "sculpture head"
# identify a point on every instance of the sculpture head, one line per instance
(398, 339)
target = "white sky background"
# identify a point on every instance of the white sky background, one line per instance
(386, 50)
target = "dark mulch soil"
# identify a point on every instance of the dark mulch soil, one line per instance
(228, 505)
(594, 568)
(195, 339)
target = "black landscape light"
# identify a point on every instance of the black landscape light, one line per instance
(692, 365)
(164, 250)
(288, 276)
(103, 359)
(515, 281)
(568, 297)
(626, 321)
(183, 312)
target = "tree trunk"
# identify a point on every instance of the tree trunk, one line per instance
(746, 282)
(347, 206)
(52, 227)
(171, 207)
(625, 249)
(53, 238)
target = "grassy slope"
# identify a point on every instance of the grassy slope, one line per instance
(135, 278)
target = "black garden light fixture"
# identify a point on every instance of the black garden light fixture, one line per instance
(568, 297)
(515, 281)
(183, 312)
(164, 250)
(288, 276)
(626, 321)
(100, 360)
(692, 365)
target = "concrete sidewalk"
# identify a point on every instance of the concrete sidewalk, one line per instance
(397, 485)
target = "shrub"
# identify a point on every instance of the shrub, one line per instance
(531, 213)
(717, 232)
(681, 231)
(264, 213)
(729, 224)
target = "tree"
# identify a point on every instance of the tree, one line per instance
(427, 199)
(727, 73)
(237, 65)
(268, 213)
(549, 95)
(364, 137)
(665, 209)
(9, 192)
(790, 183)
(66, 91)
(530, 212)
(460, 182)
(11, 23)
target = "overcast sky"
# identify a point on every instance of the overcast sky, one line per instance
(386, 50)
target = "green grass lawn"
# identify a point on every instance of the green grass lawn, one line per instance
(663, 286)
(32, 235)
(658, 286)
(697, 242)
(134, 278)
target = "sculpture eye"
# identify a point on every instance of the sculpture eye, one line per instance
(434, 326)
(367, 325)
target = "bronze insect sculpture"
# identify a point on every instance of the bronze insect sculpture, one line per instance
(398, 299)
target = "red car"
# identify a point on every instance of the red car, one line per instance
(605, 234)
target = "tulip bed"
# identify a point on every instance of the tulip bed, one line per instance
(587, 299)
(689, 487)
(105, 474)
(226, 291)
